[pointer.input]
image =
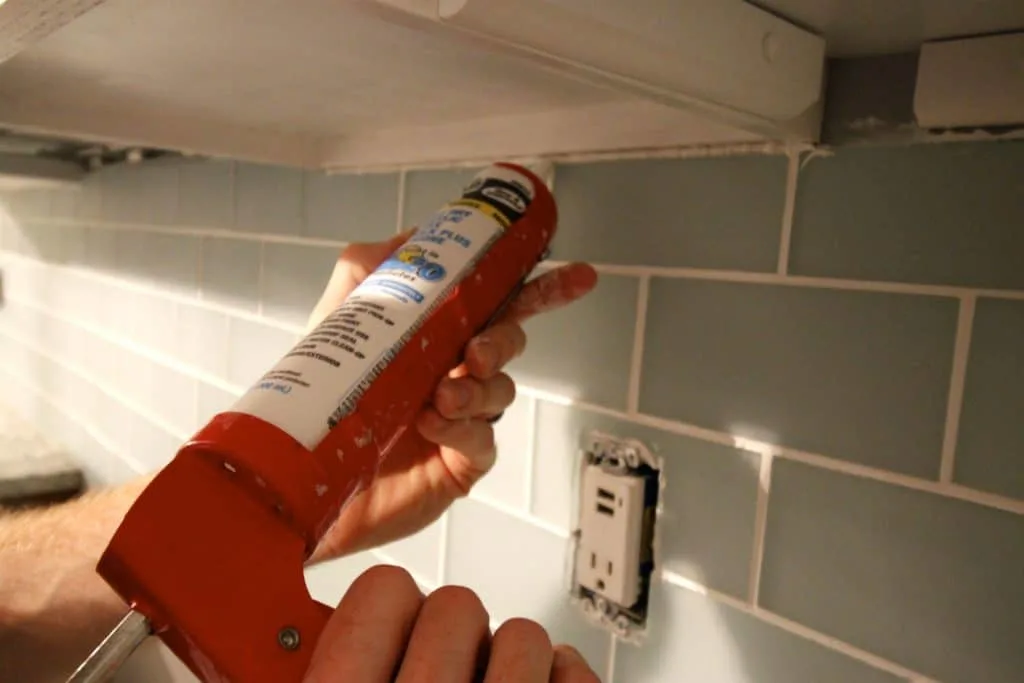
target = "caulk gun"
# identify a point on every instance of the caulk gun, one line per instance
(210, 557)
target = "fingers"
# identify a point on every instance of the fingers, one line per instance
(570, 667)
(354, 264)
(488, 352)
(520, 651)
(449, 639)
(466, 397)
(471, 441)
(552, 290)
(368, 632)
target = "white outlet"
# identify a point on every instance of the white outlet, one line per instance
(611, 530)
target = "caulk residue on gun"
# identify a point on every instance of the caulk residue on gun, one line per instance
(322, 378)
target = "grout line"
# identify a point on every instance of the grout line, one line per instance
(766, 278)
(767, 148)
(94, 433)
(260, 278)
(115, 394)
(531, 454)
(157, 357)
(233, 190)
(134, 286)
(760, 527)
(193, 231)
(789, 209)
(637, 358)
(940, 488)
(400, 212)
(745, 277)
(958, 375)
(507, 509)
(200, 264)
(790, 626)
(950, 490)
(442, 553)
(610, 662)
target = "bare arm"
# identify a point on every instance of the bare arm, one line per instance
(54, 607)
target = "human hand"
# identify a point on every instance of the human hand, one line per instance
(386, 631)
(452, 446)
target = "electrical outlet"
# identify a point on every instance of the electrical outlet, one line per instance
(614, 540)
(611, 524)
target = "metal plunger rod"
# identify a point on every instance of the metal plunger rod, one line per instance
(115, 649)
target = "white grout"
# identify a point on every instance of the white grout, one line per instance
(142, 411)
(764, 477)
(531, 454)
(958, 375)
(157, 357)
(950, 490)
(167, 295)
(788, 211)
(609, 674)
(507, 509)
(682, 152)
(636, 360)
(89, 428)
(744, 277)
(940, 488)
(200, 262)
(764, 278)
(400, 211)
(195, 231)
(261, 279)
(791, 626)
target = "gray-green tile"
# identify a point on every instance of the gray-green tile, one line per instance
(861, 376)
(583, 351)
(145, 193)
(932, 583)
(694, 639)
(351, 207)
(948, 214)
(990, 448)
(427, 191)
(294, 277)
(231, 272)
(707, 525)
(206, 189)
(721, 213)
(168, 261)
(518, 570)
(268, 199)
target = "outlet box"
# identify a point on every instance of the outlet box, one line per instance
(614, 540)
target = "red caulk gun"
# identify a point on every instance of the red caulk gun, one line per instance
(210, 557)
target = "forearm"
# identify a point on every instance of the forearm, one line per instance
(54, 608)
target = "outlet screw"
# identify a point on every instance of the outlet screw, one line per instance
(288, 638)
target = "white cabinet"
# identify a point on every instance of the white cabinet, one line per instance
(372, 83)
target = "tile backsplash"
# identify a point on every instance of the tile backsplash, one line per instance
(827, 352)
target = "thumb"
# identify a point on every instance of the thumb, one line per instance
(354, 264)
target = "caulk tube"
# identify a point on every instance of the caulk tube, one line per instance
(212, 552)
(351, 387)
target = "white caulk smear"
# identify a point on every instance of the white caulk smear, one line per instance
(319, 381)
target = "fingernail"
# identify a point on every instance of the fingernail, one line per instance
(486, 354)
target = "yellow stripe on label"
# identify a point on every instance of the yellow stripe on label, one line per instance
(485, 209)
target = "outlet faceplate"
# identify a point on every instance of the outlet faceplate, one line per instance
(614, 542)
(611, 524)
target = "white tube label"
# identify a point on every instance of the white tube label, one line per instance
(322, 378)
